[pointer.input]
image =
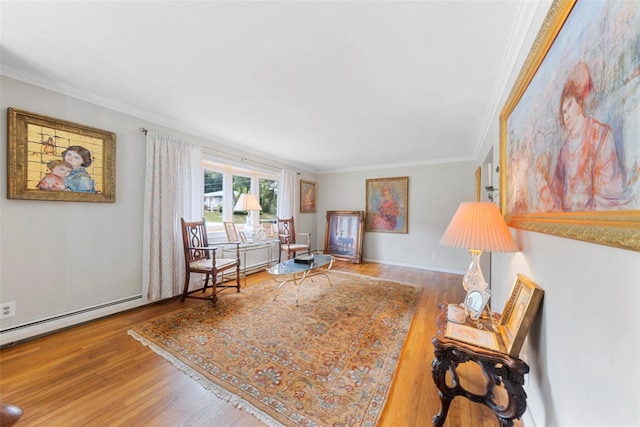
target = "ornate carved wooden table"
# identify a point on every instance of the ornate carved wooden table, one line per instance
(498, 368)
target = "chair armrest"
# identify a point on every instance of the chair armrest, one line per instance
(307, 235)
(218, 244)
(202, 248)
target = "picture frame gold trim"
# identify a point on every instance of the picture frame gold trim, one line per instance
(34, 140)
(615, 228)
(308, 196)
(518, 314)
(231, 232)
(343, 235)
(396, 192)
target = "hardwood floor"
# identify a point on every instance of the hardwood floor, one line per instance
(96, 374)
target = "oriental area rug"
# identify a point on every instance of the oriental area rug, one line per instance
(329, 361)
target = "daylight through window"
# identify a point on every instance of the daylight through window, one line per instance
(223, 185)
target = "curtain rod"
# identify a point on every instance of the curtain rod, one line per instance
(242, 159)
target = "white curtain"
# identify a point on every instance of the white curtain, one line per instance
(173, 190)
(286, 194)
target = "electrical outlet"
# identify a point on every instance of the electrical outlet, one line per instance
(434, 255)
(7, 309)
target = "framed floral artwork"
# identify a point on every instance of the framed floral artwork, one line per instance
(387, 205)
(52, 159)
(569, 153)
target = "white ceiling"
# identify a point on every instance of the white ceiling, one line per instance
(327, 85)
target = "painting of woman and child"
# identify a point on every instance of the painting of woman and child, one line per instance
(70, 172)
(572, 139)
(387, 205)
(55, 160)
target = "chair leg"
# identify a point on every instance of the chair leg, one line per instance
(186, 286)
(206, 282)
(238, 278)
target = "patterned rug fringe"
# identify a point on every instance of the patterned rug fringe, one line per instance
(208, 385)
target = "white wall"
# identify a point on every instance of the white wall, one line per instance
(435, 191)
(60, 258)
(584, 346)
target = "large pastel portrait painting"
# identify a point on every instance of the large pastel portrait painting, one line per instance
(387, 205)
(570, 148)
(52, 159)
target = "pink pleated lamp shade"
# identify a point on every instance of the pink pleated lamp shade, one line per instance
(479, 226)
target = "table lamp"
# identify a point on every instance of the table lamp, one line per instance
(248, 202)
(478, 227)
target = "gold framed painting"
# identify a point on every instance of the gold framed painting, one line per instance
(343, 235)
(387, 205)
(518, 313)
(52, 159)
(307, 196)
(569, 157)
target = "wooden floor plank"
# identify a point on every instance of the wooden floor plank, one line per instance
(96, 374)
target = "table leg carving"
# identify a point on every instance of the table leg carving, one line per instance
(439, 367)
(496, 372)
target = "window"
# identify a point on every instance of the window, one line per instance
(223, 185)
(213, 194)
(268, 199)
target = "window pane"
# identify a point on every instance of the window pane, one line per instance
(241, 184)
(268, 199)
(213, 197)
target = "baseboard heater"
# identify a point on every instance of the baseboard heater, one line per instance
(37, 328)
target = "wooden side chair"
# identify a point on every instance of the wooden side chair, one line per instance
(201, 257)
(287, 236)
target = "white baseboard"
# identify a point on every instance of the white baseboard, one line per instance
(419, 266)
(44, 326)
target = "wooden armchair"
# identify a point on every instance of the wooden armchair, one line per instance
(200, 257)
(287, 236)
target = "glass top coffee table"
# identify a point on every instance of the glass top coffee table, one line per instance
(296, 272)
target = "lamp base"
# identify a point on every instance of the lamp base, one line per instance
(248, 227)
(474, 279)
